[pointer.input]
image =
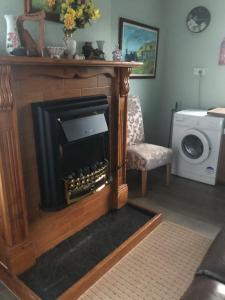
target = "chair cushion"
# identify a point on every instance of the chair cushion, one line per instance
(213, 264)
(135, 127)
(146, 157)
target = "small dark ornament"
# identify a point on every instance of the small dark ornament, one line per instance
(87, 50)
(91, 53)
(20, 52)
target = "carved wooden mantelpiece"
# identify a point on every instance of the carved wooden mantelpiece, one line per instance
(25, 231)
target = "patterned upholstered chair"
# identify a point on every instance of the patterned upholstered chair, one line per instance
(142, 156)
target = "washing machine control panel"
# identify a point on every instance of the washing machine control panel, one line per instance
(201, 122)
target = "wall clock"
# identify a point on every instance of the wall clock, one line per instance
(198, 19)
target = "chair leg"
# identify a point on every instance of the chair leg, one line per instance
(168, 174)
(144, 177)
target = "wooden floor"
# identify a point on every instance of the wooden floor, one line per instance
(195, 205)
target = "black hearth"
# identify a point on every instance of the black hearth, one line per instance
(72, 143)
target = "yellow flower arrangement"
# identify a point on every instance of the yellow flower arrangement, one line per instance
(76, 13)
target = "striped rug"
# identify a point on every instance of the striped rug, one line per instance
(161, 267)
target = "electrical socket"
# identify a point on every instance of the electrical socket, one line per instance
(199, 71)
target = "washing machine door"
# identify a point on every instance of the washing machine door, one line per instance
(194, 146)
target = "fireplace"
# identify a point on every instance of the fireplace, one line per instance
(26, 231)
(72, 146)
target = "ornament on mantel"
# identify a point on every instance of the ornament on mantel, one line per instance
(70, 43)
(222, 53)
(12, 36)
(117, 53)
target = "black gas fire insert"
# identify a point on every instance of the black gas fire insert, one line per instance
(72, 143)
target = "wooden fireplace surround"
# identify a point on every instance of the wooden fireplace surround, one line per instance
(25, 231)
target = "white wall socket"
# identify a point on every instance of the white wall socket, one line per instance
(199, 71)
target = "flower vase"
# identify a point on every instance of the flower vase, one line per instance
(12, 36)
(71, 45)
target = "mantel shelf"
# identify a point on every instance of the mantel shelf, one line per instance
(43, 61)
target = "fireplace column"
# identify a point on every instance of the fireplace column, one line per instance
(15, 247)
(122, 94)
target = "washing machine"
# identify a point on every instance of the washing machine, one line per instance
(196, 143)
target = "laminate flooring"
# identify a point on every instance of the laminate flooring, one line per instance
(192, 204)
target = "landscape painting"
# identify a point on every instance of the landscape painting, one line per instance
(52, 13)
(139, 42)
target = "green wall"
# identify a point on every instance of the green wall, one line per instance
(149, 12)
(184, 51)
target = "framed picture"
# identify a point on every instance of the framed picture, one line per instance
(52, 14)
(139, 42)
